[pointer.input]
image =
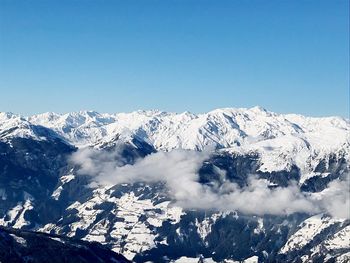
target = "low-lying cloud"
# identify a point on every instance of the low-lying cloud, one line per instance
(178, 169)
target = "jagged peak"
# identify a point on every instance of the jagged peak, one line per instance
(223, 127)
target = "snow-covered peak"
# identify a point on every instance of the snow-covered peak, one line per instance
(280, 139)
(13, 125)
(73, 119)
(221, 128)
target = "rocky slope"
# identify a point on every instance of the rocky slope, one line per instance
(25, 246)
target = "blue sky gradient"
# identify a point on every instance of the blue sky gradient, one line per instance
(174, 55)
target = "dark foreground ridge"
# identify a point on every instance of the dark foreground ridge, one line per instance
(26, 246)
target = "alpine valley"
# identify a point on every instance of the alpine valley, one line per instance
(91, 187)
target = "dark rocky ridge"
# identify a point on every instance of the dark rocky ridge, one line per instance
(27, 246)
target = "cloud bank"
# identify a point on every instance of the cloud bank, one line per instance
(178, 169)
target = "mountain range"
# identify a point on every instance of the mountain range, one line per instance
(230, 185)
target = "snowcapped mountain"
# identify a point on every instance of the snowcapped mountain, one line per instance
(221, 128)
(43, 188)
(281, 140)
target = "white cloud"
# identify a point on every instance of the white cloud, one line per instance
(179, 170)
(335, 199)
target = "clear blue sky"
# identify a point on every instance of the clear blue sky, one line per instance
(174, 55)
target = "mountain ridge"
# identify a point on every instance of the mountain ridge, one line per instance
(42, 190)
(232, 123)
(277, 137)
